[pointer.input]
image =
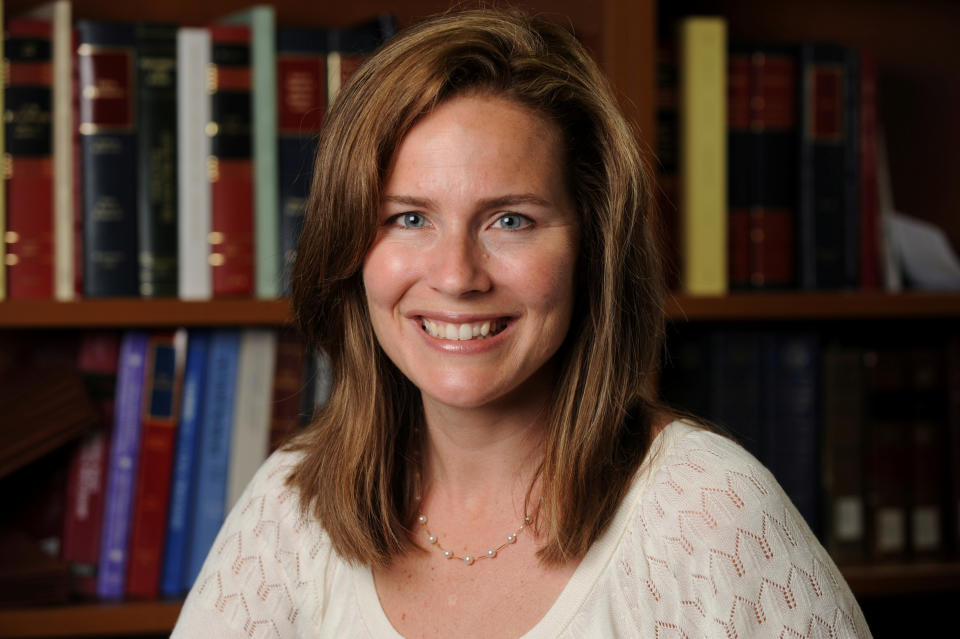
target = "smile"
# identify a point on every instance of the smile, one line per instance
(463, 332)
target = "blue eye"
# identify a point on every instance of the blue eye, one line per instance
(512, 221)
(411, 220)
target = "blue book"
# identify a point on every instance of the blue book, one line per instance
(214, 453)
(791, 434)
(122, 466)
(736, 385)
(173, 581)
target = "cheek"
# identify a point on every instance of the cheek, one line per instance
(386, 275)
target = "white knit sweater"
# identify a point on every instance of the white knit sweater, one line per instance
(705, 544)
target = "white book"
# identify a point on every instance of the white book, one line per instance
(195, 280)
(58, 13)
(250, 439)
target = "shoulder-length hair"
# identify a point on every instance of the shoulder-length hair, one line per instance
(361, 450)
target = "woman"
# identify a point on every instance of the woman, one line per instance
(477, 261)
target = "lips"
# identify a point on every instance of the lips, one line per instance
(463, 331)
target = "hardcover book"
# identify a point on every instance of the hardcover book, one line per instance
(107, 61)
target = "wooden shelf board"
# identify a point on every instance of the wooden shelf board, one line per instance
(129, 313)
(90, 620)
(814, 305)
(902, 579)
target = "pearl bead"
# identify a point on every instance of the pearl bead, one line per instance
(432, 539)
(491, 553)
(422, 519)
(448, 554)
(511, 538)
(468, 560)
(527, 519)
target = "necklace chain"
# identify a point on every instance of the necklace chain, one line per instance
(471, 559)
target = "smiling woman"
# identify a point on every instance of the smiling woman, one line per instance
(477, 261)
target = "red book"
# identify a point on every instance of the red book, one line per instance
(230, 167)
(29, 172)
(166, 354)
(87, 472)
(762, 149)
(869, 186)
(287, 385)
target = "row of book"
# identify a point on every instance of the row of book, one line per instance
(773, 169)
(866, 441)
(183, 420)
(155, 160)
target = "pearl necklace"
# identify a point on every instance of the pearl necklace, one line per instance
(470, 559)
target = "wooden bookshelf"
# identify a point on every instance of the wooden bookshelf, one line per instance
(137, 313)
(91, 620)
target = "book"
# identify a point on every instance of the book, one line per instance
(762, 159)
(87, 474)
(250, 437)
(702, 46)
(122, 466)
(828, 212)
(349, 47)
(210, 501)
(29, 173)
(159, 417)
(928, 413)
(230, 169)
(194, 280)
(667, 183)
(842, 469)
(107, 61)
(58, 13)
(301, 105)
(288, 382)
(869, 195)
(183, 482)
(791, 418)
(157, 159)
(953, 443)
(736, 386)
(43, 408)
(887, 457)
(3, 190)
(260, 19)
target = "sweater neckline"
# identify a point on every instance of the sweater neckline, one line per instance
(591, 567)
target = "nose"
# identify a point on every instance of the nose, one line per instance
(458, 265)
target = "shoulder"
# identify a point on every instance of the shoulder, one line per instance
(723, 549)
(266, 570)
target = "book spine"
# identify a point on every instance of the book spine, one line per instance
(3, 192)
(287, 384)
(928, 433)
(250, 440)
(29, 161)
(193, 150)
(230, 169)
(953, 443)
(791, 434)
(736, 364)
(703, 155)
(869, 186)
(183, 483)
(63, 134)
(828, 235)
(843, 452)
(107, 63)
(97, 362)
(762, 186)
(349, 47)
(301, 105)
(79, 254)
(157, 159)
(667, 154)
(214, 453)
(888, 467)
(162, 383)
(122, 467)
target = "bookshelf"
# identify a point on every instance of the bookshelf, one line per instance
(912, 41)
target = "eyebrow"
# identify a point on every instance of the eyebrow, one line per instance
(490, 203)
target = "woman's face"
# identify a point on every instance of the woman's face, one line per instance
(470, 282)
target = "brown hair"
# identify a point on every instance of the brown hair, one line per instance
(360, 452)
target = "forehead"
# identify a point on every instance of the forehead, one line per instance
(478, 139)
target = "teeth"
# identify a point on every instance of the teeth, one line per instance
(463, 332)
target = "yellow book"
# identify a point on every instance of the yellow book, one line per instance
(703, 154)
